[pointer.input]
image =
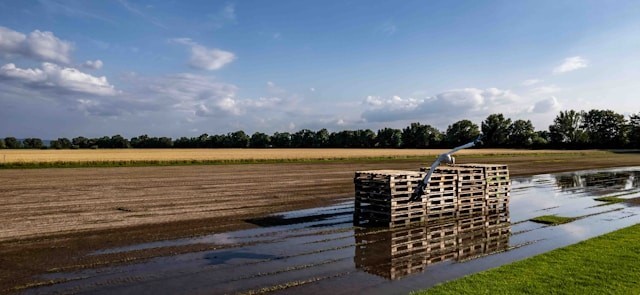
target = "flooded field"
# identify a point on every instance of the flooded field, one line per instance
(320, 251)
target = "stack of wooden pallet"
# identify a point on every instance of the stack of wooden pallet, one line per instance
(498, 186)
(398, 252)
(382, 197)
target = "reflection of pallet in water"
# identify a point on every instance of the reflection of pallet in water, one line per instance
(396, 253)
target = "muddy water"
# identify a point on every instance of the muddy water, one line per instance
(319, 251)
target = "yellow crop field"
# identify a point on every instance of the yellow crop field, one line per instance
(109, 155)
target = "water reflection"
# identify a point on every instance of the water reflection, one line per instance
(393, 254)
(609, 180)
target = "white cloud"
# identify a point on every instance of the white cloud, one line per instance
(531, 82)
(202, 96)
(571, 64)
(550, 104)
(453, 103)
(43, 46)
(206, 58)
(58, 79)
(312, 89)
(11, 42)
(93, 64)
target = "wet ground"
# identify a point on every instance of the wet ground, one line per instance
(319, 251)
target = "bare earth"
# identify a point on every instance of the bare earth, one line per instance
(50, 218)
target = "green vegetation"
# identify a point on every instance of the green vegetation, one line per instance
(571, 129)
(610, 200)
(603, 265)
(553, 219)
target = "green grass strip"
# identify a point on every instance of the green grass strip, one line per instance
(610, 200)
(553, 219)
(608, 264)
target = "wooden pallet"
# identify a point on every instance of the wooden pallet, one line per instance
(383, 197)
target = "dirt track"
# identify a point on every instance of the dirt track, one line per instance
(50, 217)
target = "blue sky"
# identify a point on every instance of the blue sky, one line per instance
(182, 68)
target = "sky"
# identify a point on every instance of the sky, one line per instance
(183, 68)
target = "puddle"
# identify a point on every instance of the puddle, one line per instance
(319, 251)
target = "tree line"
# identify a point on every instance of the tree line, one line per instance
(570, 129)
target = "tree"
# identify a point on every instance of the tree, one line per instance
(162, 142)
(238, 139)
(32, 143)
(202, 141)
(61, 143)
(2, 144)
(12, 143)
(104, 142)
(521, 134)
(80, 142)
(342, 139)
(634, 130)
(182, 142)
(461, 132)
(495, 130)
(259, 140)
(217, 141)
(567, 131)
(137, 142)
(302, 139)
(540, 139)
(364, 138)
(119, 142)
(281, 140)
(389, 138)
(321, 138)
(605, 128)
(417, 135)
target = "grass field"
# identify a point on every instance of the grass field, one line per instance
(173, 157)
(604, 265)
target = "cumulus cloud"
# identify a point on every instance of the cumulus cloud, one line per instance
(205, 58)
(93, 64)
(550, 104)
(202, 96)
(571, 64)
(51, 77)
(457, 102)
(43, 46)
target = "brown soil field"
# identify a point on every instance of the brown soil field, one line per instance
(106, 155)
(51, 218)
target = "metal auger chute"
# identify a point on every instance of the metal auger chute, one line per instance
(446, 158)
